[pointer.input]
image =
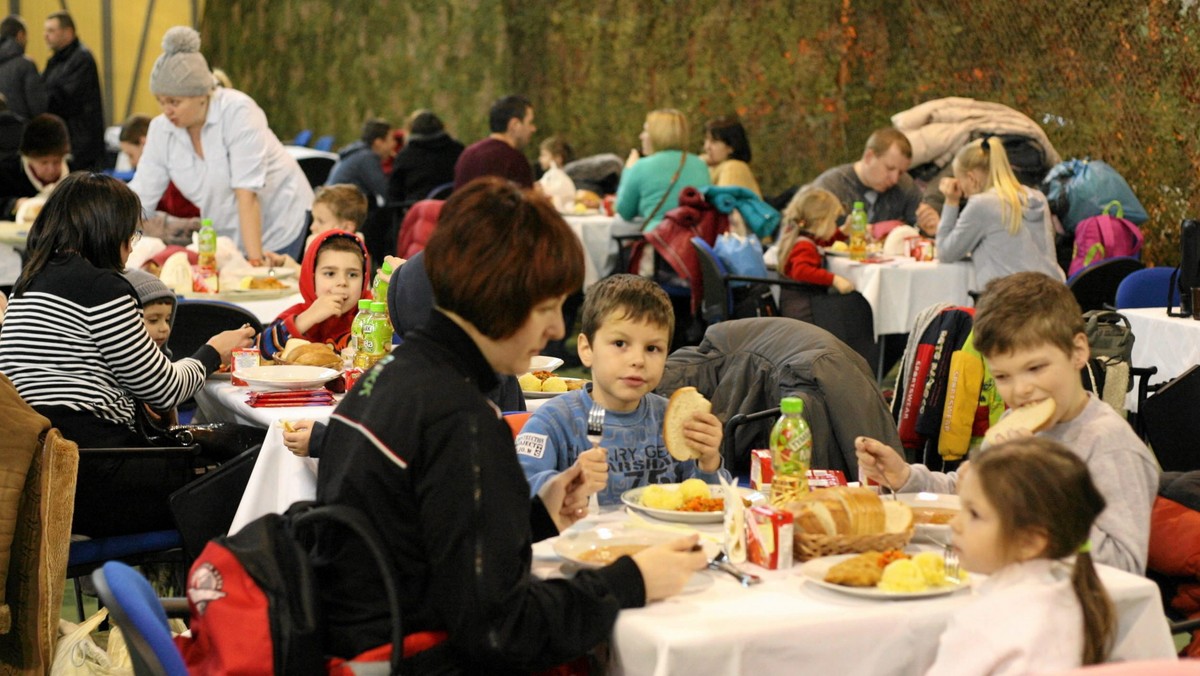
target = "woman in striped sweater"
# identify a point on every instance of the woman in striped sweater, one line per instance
(73, 341)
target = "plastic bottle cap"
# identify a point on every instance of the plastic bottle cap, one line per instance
(364, 303)
(791, 405)
(386, 267)
(205, 221)
(378, 306)
(859, 205)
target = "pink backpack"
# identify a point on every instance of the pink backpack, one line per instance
(1104, 236)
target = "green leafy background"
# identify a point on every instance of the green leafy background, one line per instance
(1114, 80)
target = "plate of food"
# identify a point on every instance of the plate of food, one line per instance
(287, 377)
(692, 501)
(544, 384)
(889, 575)
(601, 546)
(932, 513)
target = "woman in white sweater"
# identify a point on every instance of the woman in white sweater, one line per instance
(1005, 226)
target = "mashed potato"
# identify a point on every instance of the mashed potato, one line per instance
(554, 384)
(657, 497)
(694, 488)
(932, 566)
(903, 576)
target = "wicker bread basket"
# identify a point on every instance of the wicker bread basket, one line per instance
(810, 546)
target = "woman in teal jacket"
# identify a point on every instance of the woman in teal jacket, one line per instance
(650, 185)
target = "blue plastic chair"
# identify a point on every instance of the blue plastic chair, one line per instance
(324, 144)
(303, 138)
(136, 609)
(1147, 288)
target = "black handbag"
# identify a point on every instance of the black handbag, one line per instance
(218, 441)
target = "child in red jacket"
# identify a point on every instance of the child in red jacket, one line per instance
(810, 217)
(333, 278)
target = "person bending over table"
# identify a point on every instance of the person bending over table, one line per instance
(75, 346)
(420, 450)
(215, 145)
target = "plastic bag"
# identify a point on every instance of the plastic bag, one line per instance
(741, 256)
(559, 188)
(1079, 189)
(76, 654)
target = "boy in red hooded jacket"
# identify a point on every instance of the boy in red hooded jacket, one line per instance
(333, 278)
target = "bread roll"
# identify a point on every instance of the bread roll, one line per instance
(685, 403)
(316, 354)
(1032, 417)
(291, 346)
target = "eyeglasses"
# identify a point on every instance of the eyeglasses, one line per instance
(135, 237)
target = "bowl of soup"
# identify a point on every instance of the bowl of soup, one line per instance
(932, 514)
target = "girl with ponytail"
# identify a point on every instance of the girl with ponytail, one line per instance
(1028, 506)
(1005, 227)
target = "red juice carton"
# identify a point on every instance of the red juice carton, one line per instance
(769, 535)
(826, 478)
(761, 470)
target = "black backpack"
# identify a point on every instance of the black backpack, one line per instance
(255, 605)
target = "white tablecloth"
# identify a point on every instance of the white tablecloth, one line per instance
(787, 625)
(596, 233)
(1170, 343)
(899, 289)
(279, 477)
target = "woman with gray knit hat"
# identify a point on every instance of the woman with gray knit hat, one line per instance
(215, 145)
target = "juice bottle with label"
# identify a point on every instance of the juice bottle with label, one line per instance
(791, 453)
(207, 245)
(382, 327)
(380, 289)
(858, 232)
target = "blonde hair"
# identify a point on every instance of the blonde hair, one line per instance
(812, 209)
(668, 129)
(988, 155)
(345, 201)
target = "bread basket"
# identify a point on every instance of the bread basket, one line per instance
(854, 520)
(810, 546)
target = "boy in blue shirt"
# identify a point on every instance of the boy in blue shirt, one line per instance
(627, 326)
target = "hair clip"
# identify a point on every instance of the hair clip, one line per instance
(1086, 547)
(983, 144)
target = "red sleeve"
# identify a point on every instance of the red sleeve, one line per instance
(805, 264)
(838, 236)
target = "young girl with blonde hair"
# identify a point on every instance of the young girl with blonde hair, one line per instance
(1027, 510)
(1005, 226)
(809, 218)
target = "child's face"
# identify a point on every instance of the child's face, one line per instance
(323, 219)
(339, 273)
(977, 529)
(547, 160)
(158, 322)
(1029, 375)
(627, 360)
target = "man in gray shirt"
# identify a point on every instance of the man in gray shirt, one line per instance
(880, 181)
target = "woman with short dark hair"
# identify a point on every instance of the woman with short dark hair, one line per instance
(727, 152)
(419, 449)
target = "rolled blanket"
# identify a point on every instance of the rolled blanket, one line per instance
(760, 217)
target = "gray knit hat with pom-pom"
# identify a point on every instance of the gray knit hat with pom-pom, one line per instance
(181, 70)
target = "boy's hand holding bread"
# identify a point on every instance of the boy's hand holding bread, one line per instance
(691, 431)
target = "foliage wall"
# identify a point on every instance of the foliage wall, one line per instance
(1110, 79)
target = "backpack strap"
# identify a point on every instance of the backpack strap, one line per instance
(308, 514)
(1120, 209)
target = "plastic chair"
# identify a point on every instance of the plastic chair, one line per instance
(198, 320)
(717, 290)
(1095, 287)
(316, 168)
(850, 318)
(324, 143)
(302, 139)
(1170, 421)
(1147, 288)
(136, 609)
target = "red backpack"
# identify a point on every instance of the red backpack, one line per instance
(1104, 236)
(255, 605)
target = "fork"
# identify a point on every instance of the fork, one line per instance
(595, 432)
(721, 562)
(952, 567)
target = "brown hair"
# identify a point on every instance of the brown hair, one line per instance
(346, 201)
(497, 252)
(635, 298)
(557, 146)
(881, 140)
(348, 243)
(1026, 310)
(1037, 485)
(134, 129)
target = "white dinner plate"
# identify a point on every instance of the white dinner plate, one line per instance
(937, 533)
(287, 377)
(544, 363)
(839, 254)
(633, 498)
(573, 546)
(280, 272)
(814, 571)
(546, 395)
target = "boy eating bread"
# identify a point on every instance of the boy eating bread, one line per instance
(1030, 331)
(627, 327)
